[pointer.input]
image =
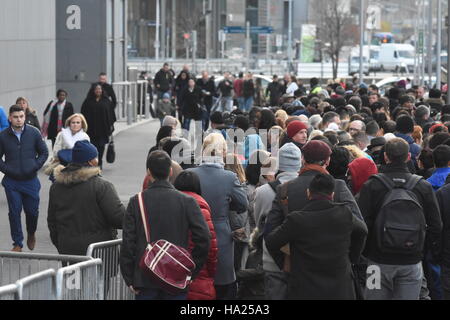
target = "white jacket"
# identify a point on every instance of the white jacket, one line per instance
(65, 140)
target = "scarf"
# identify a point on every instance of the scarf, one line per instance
(313, 167)
(70, 139)
(47, 116)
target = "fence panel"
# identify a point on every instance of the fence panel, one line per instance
(15, 266)
(39, 286)
(9, 292)
(114, 285)
(81, 281)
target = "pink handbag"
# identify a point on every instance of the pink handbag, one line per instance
(168, 266)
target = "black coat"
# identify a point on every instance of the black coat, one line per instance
(274, 89)
(191, 103)
(325, 238)
(173, 216)
(32, 119)
(52, 130)
(163, 80)
(370, 201)
(98, 117)
(296, 192)
(83, 209)
(207, 87)
(443, 196)
(248, 89)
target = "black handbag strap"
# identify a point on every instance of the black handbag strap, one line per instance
(144, 216)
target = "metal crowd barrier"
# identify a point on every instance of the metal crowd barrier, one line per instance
(39, 286)
(81, 281)
(133, 101)
(9, 292)
(109, 252)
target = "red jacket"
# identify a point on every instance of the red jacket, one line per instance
(202, 288)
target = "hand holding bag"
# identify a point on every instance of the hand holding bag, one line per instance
(169, 266)
(111, 152)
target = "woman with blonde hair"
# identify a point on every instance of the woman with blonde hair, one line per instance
(223, 191)
(75, 130)
(31, 117)
(281, 116)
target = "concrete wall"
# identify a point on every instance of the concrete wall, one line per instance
(96, 45)
(27, 52)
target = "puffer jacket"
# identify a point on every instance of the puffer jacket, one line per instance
(202, 288)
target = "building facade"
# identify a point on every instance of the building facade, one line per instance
(27, 52)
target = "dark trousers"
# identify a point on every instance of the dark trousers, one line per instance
(445, 279)
(205, 117)
(22, 194)
(100, 144)
(158, 294)
(53, 142)
(226, 292)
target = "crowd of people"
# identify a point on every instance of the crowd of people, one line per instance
(360, 185)
(334, 192)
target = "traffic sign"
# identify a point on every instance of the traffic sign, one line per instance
(253, 30)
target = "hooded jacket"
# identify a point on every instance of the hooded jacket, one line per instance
(360, 170)
(202, 288)
(83, 209)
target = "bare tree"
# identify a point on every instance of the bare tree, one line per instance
(334, 28)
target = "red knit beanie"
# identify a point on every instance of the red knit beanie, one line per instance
(294, 127)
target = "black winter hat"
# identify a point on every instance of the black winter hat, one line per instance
(405, 124)
(405, 98)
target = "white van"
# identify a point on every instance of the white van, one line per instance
(397, 57)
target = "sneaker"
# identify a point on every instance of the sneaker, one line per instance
(16, 249)
(31, 241)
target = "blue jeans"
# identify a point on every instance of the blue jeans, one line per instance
(158, 294)
(248, 104)
(241, 102)
(225, 104)
(22, 194)
(398, 282)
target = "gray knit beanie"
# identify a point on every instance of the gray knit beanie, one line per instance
(289, 158)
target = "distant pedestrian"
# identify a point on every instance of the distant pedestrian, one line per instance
(110, 94)
(226, 96)
(96, 110)
(55, 116)
(192, 108)
(248, 92)
(4, 123)
(31, 117)
(25, 153)
(238, 87)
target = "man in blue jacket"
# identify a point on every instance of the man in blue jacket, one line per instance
(25, 153)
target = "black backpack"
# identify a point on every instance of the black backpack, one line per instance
(400, 226)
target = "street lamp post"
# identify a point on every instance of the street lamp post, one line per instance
(439, 44)
(157, 31)
(361, 41)
(290, 36)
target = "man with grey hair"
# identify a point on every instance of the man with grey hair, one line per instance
(362, 141)
(329, 118)
(422, 116)
(315, 120)
(356, 126)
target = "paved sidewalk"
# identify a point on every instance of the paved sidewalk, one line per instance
(127, 174)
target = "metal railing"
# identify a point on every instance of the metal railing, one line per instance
(39, 286)
(133, 101)
(9, 292)
(81, 281)
(15, 265)
(114, 285)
